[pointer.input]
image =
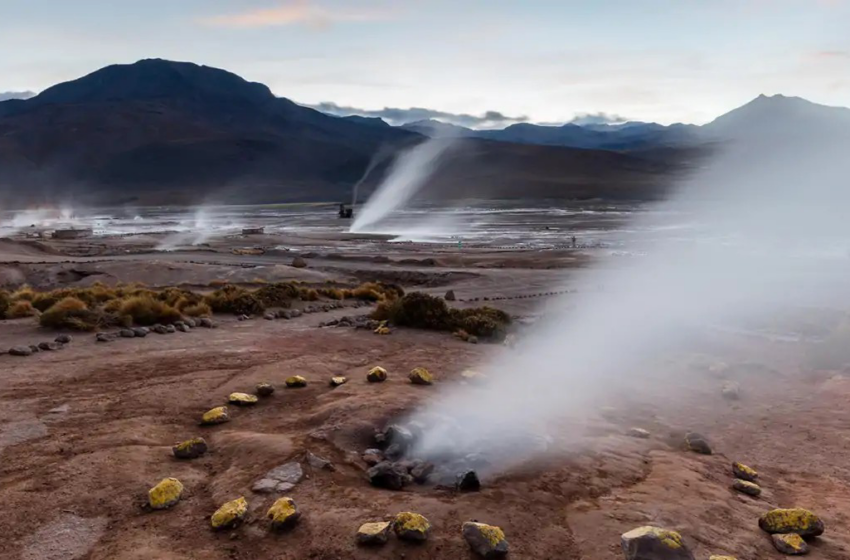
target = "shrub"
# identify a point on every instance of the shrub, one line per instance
(308, 294)
(376, 291)
(144, 310)
(20, 309)
(236, 300)
(197, 310)
(484, 322)
(172, 296)
(333, 293)
(279, 294)
(45, 300)
(72, 313)
(24, 293)
(5, 302)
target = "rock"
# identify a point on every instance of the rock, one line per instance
(468, 482)
(242, 399)
(374, 533)
(318, 463)
(790, 544)
(182, 327)
(63, 339)
(141, 332)
(190, 449)
(191, 323)
(716, 557)
(49, 346)
(230, 514)
(104, 337)
(338, 380)
(382, 330)
(472, 339)
(395, 434)
(296, 313)
(376, 375)
(20, 351)
(206, 323)
(160, 329)
(394, 452)
(170, 329)
(279, 479)
(165, 494)
(217, 415)
(284, 514)
(421, 471)
(269, 316)
(264, 389)
(299, 262)
(34, 349)
(295, 382)
(285, 314)
(420, 376)
(473, 376)
(746, 487)
(388, 475)
(450, 296)
(744, 472)
(372, 457)
(796, 520)
(731, 391)
(638, 433)
(486, 541)
(697, 443)
(410, 526)
(126, 333)
(653, 543)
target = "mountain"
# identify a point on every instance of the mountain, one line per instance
(436, 129)
(6, 95)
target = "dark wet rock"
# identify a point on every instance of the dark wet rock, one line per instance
(296, 313)
(190, 449)
(265, 389)
(389, 475)
(20, 351)
(395, 433)
(372, 457)
(318, 463)
(34, 348)
(790, 544)
(104, 337)
(697, 443)
(64, 339)
(654, 543)
(285, 314)
(126, 333)
(279, 479)
(468, 482)
(486, 541)
(141, 332)
(394, 452)
(450, 296)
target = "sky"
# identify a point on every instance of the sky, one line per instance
(482, 63)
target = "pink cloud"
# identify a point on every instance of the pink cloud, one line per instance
(296, 12)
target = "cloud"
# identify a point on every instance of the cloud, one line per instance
(832, 55)
(395, 116)
(296, 12)
(584, 119)
(6, 95)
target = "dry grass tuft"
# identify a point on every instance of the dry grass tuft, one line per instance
(20, 309)
(72, 313)
(144, 310)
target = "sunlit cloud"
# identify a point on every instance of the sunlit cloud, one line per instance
(298, 12)
(395, 116)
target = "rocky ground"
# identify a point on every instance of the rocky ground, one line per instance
(87, 430)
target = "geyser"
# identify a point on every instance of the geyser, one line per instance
(773, 235)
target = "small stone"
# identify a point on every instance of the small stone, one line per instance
(165, 494)
(697, 443)
(376, 375)
(299, 262)
(654, 543)
(242, 399)
(338, 380)
(284, 514)
(374, 533)
(421, 376)
(468, 482)
(206, 323)
(486, 541)
(409, 526)
(790, 544)
(731, 391)
(191, 323)
(472, 339)
(170, 329)
(49, 346)
(264, 389)
(318, 463)
(182, 327)
(269, 316)
(104, 337)
(744, 472)
(20, 351)
(141, 332)
(450, 296)
(217, 415)
(295, 382)
(63, 339)
(638, 433)
(372, 457)
(280, 479)
(190, 449)
(796, 520)
(388, 475)
(126, 333)
(230, 514)
(160, 329)
(746, 487)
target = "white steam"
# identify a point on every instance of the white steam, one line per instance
(773, 234)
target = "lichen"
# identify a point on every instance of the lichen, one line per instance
(794, 520)
(283, 512)
(670, 539)
(165, 494)
(377, 374)
(242, 398)
(373, 528)
(493, 534)
(215, 416)
(409, 521)
(296, 381)
(186, 445)
(421, 376)
(229, 514)
(749, 472)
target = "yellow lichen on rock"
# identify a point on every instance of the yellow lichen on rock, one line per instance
(283, 514)
(791, 544)
(411, 526)
(296, 381)
(795, 520)
(190, 449)
(242, 399)
(746, 487)
(217, 415)
(376, 375)
(264, 389)
(485, 540)
(165, 494)
(421, 376)
(229, 514)
(338, 380)
(744, 472)
(669, 539)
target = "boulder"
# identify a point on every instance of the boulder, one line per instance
(20, 351)
(280, 479)
(746, 487)
(421, 471)
(795, 520)
(299, 262)
(338, 380)
(372, 457)
(284, 514)
(63, 339)
(654, 543)
(697, 443)
(230, 514)
(411, 526)
(264, 389)
(421, 376)
(389, 475)
(394, 452)
(468, 482)
(242, 399)
(450, 296)
(295, 382)
(731, 391)
(374, 533)
(318, 463)
(486, 541)
(217, 415)
(790, 544)
(141, 332)
(126, 333)
(376, 375)
(639, 433)
(190, 449)
(744, 472)
(165, 494)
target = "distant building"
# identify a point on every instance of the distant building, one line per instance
(72, 233)
(253, 231)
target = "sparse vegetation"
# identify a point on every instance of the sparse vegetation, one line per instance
(236, 300)
(73, 313)
(20, 309)
(201, 309)
(145, 310)
(5, 302)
